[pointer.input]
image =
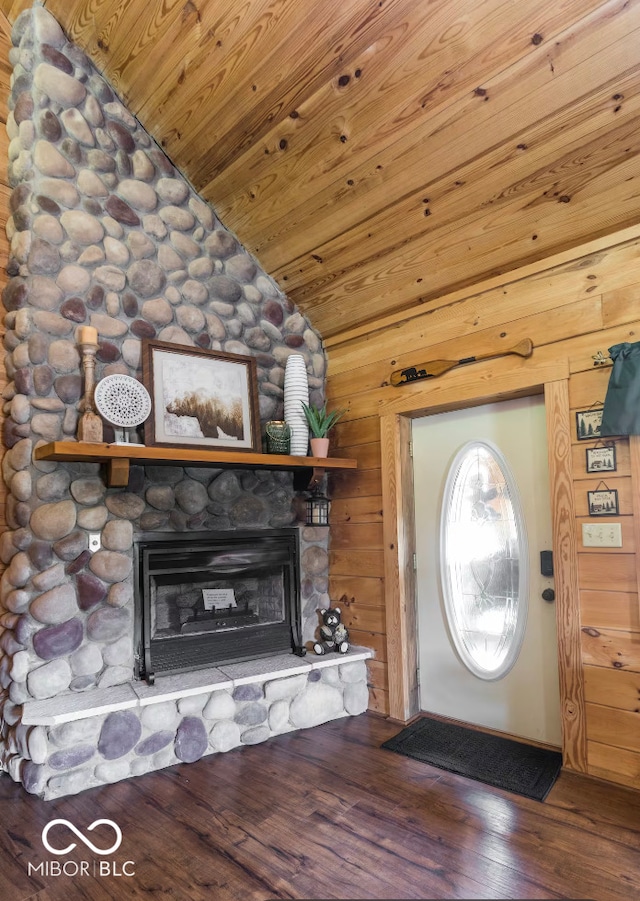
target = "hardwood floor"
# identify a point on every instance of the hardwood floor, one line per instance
(325, 813)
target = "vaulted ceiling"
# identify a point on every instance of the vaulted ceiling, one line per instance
(374, 154)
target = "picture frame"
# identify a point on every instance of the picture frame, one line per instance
(200, 398)
(588, 423)
(603, 502)
(602, 459)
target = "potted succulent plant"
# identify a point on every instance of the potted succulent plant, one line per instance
(320, 423)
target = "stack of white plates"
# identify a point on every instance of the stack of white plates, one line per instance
(296, 392)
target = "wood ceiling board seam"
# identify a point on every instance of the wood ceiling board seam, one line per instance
(548, 143)
(332, 106)
(396, 287)
(341, 342)
(442, 131)
(327, 62)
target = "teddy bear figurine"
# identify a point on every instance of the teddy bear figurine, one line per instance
(334, 635)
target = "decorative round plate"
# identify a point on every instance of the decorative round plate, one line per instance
(122, 400)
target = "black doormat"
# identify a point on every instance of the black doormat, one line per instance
(501, 762)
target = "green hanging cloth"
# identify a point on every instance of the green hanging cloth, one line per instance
(621, 414)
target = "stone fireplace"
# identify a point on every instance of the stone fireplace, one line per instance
(214, 598)
(105, 232)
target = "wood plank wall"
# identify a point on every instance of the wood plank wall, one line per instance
(572, 307)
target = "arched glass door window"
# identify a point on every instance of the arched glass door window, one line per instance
(484, 561)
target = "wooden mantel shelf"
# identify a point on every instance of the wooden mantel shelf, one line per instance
(118, 458)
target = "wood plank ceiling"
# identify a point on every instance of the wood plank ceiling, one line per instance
(375, 154)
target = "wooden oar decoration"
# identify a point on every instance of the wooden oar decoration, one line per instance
(434, 368)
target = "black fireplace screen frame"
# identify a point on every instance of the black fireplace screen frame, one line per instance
(158, 552)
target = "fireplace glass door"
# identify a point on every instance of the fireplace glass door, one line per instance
(216, 598)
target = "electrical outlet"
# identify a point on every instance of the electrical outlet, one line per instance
(601, 534)
(94, 541)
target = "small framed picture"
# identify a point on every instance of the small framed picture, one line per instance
(602, 459)
(588, 424)
(603, 503)
(201, 398)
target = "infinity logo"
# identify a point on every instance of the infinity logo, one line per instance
(49, 826)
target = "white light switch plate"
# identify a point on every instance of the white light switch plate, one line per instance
(601, 534)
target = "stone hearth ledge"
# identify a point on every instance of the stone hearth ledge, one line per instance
(77, 706)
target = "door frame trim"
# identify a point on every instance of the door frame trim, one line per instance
(399, 551)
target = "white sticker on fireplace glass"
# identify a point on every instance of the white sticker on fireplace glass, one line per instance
(484, 561)
(218, 598)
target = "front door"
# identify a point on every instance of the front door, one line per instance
(486, 637)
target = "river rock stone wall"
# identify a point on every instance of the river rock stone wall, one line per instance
(73, 756)
(104, 231)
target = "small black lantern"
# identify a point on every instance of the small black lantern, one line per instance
(317, 509)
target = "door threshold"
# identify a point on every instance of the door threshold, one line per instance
(425, 714)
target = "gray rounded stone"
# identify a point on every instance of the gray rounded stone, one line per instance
(201, 268)
(318, 703)
(47, 425)
(356, 698)
(90, 184)
(77, 732)
(143, 168)
(288, 687)
(120, 733)
(225, 736)
(185, 246)
(220, 706)
(202, 212)
(315, 560)
(70, 547)
(108, 623)
(110, 566)
(112, 772)
(172, 190)
(120, 594)
(137, 194)
(48, 578)
(21, 485)
(330, 675)
(120, 653)
(177, 217)
(88, 491)
(146, 278)
(355, 671)
(92, 518)
(68, 388)
(81, 227)
(255, 735)
(191, 739)
(60, 87)
(189, 318)
(157, 311)
(191, 496)
(51, 162)
(63, 356)
(37, 744)
(192, 705)
(118, 535)
(115, 675)
(250, 692)
(220, 244)
(225, 488)
(279, 716)
(252, 714)
(125, 505)
(68, 758)
(58, 641)
(49, 680)
(55, 606)
(240, 267)
(160, 717)
(154, 743)
(87, 660)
